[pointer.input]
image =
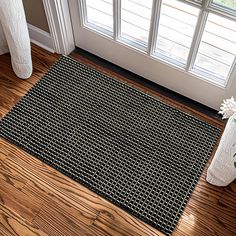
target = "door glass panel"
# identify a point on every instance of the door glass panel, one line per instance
(135, 21)
(217, 49)
(176, 28)
(100, 15)
(231, 4)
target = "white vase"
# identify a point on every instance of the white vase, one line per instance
(14, 35)
(222, 171)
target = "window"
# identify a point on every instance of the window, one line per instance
(231, 4)
(99, 15)
(197, 36)
(217, 48)
(175, 32)
(135, 21)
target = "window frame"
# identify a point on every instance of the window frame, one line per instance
(209, 7)
(98, 29)
(192, 47)
(205, 7)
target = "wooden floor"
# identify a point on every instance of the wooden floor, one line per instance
(37, 200)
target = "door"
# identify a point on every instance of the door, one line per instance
(186, 46)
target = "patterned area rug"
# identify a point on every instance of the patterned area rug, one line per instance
(134, 150)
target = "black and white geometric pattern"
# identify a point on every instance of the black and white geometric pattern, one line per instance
(141, 154)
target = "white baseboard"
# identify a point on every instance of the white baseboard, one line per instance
(41, 38)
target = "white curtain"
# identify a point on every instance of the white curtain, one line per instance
(14, 37)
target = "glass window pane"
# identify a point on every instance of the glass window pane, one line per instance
(100, 14)
(231, 4)
(217, 49)
(176, 28)
(135, 20)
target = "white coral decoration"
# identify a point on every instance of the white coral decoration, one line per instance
(228, 108)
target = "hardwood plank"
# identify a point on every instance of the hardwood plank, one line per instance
(76, 211)
(13, 88)
(7, 175)
(12, 225)
(117, 223)
(49, 182)
(62, 210)
(5, 148)
(53, 221)
(17, 201)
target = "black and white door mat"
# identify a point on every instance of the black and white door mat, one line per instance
(132, 149)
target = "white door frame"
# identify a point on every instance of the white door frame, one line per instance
(60, 26)
(142, 64)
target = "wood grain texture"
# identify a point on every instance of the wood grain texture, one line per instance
(11, 224)
(18, 201)
(35, 199)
